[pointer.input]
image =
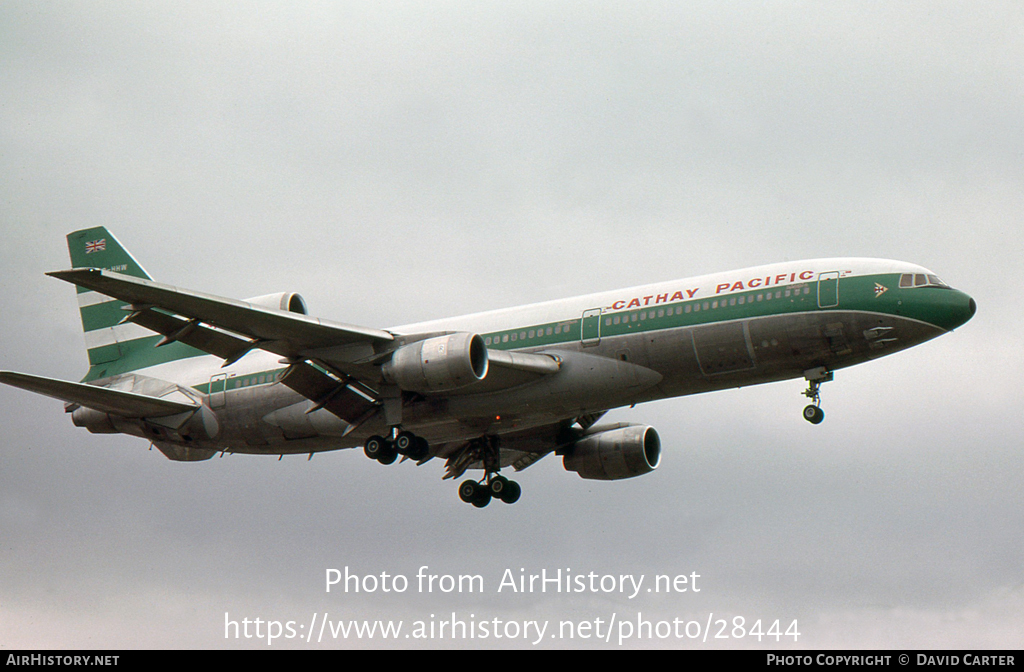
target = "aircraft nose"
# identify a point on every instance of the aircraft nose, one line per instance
(961, 310)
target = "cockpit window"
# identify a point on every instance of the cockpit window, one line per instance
(908, 280)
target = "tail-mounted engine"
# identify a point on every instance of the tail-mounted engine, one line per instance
(615, 452)
(287, 301)
(438, 364)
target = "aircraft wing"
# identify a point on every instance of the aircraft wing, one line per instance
(125, 404)
(341, 358)
(284, 333)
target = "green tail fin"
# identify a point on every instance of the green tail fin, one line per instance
(114, 347)
(98, 248)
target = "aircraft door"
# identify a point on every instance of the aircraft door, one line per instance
(218, 390)
(828, 289)
(590, 327)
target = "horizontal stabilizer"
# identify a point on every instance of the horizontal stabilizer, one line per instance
(105, 400)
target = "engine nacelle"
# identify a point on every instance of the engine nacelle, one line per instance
(288, 301)
(615, 453)
(438, 364)
(97, 422)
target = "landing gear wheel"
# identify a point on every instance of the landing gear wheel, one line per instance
(420, 449)
(483, 498)
(405, 442)
(813, 414)
(511, 493)
(498, 485)
(388, 455)
(374, 446)
(467, 491)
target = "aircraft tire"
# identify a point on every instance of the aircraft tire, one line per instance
(814, 414)
(498, 485)
(467, 491)
(374, 446)
(405, 443)
(388, 455)
(420, 448)
(511, 493)
(483, 498)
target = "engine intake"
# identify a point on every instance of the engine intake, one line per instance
(438, 364)
(287, 301)
(616, 452)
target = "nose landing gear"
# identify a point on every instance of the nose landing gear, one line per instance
(815, 377)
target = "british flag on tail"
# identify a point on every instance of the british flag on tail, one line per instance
(96, 246)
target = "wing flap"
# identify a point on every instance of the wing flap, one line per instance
(219, 343)
(335, 395)
(105, 400)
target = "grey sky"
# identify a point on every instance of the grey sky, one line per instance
(404, 161)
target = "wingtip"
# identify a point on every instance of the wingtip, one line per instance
(70, 273)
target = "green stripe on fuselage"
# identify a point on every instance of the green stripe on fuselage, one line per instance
(860, 293)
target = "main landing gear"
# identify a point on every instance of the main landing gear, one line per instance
(386, 451)
(479, 494)
(815, 377)
(484, 450)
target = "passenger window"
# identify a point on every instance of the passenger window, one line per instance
(504, 339)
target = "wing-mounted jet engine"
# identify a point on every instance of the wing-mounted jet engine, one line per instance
(613, 452)
(439, 364)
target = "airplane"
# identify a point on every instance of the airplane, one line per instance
(197, 374)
